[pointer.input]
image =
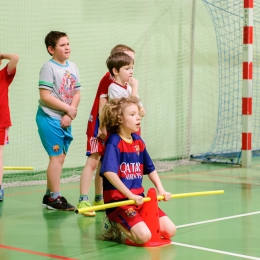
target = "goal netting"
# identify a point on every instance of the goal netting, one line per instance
(227, 20)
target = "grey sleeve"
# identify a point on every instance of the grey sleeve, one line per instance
(46, 78)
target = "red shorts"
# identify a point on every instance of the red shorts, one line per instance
(4, 136)
(95, 145)
(130, 215)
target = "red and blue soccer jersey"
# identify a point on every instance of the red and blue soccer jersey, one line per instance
(130, 161)
(93, 122)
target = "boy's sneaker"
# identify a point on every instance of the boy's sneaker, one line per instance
(109, 229)
(45, 200)
(2, 194)
(98, 203)
(86, 204)
(59, 203)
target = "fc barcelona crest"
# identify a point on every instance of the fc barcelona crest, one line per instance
(130, 212)
(56, 148)
(137, 149)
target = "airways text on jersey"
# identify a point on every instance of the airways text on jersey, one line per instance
(131, 171)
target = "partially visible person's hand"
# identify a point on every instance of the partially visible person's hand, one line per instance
(167, 195)
(138, 199)
(102, 132)
(133, 82)
(72, 112)
(65, 121)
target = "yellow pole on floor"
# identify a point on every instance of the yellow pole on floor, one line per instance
(130, 202)
(17, 168)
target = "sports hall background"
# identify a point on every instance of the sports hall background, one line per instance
(181, 118)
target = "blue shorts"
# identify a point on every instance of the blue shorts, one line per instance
(55, 139)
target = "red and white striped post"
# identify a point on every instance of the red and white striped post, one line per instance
(247, 84)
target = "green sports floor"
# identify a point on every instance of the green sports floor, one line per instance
(210, 227)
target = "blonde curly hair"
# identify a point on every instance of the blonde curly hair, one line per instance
(112, 113)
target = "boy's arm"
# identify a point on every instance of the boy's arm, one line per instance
(55, 103)
(76, 99)
(154, 177)
(102, 102)
(102, 132)
(66, 119)
(134, 84)
(13, 60)
(117, 183)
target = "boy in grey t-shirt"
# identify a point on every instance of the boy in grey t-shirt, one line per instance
(59, 87)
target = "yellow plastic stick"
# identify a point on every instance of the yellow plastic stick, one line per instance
(17, 168)
(130, 202)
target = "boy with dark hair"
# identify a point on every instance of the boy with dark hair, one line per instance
(6, 77)
(96, 136)
(59, 87)
(120, 66)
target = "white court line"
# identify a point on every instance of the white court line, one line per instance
(216, 251)
(218, 219)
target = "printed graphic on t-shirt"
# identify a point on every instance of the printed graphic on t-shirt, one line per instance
(130, 171)
(67, 87)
